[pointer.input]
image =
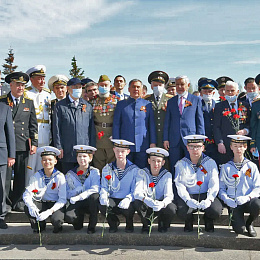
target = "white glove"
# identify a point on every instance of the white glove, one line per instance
(45, 214)
(124, 203)
(149, 202)
(79, 189)
(242, 200)
(74, 199)
(194, 204)
(231, 203)
(33, 211)
(158, 205)
(204, 204)
(104, 201)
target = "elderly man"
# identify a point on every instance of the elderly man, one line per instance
(134, 122)
(221, 86)
(119, 84)
(91, 90)
(184, 116)
(73, 124)
(26, 134)
(230, 117)
(42, 99)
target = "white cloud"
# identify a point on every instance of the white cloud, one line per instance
(175, 12)
(36, 20)
(242, 62)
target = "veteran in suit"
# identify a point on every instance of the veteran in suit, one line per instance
(134, 122)
(73, 123)
(26, 134)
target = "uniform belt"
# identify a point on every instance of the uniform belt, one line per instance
(103, 125)
(43, 121)
(48, 201)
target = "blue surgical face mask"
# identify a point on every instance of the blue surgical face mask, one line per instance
(231, 99)
(103, 90)
(76, 93)
(207, 98)
(252, 95)
(158, 90)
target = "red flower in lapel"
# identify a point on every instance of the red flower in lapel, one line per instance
(53, 186)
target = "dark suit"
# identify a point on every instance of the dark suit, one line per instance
(71, 126)
(7, 150)
(223, 126)
(177, 126)
(26, 134)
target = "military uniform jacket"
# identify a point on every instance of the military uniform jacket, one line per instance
(222, 122)
(208, 118)
(89, 181)
(103, 112)
(134, 122)
(255, 124)
(191, 122)
(7, 137)
(162, 190)
(73, 125)
(25, 122)
(187, 177)
(117, 187)
(159, 114)
(42, 102)
(53, 103)
(248, 182)
(54, 191)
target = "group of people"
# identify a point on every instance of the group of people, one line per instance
(151, 150)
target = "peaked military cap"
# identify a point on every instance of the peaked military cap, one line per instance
(222, 81)
(207, 84)
(38, 70)
(257, 79)
(57, 80)
(158, 76)
(20, 77)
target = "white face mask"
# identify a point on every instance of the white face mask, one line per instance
(207, 98)
(252, 95)
(158, 90)
(231, 98)
(76, 93)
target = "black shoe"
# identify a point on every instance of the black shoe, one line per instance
(3, 225)
(251, 230)
(114, 227)
(145, 230)
(78, 226)
(18, 208)
(57, 229)
(91, 230)
(188, 226)
(162, 229)
(129, 229)
(209, 225)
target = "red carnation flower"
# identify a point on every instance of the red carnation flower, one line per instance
(35, 191)
(53, 186)
(222, 98)
(199, 183)
(235, 176)
(80, 172)
(108, 177)
(240, 109)
(233, 110)
(151, 185)
(236, 116)
(100, 134)
(226, 113)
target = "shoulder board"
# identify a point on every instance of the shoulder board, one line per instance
(47, 90)
(256, 100)
(26, 97)
(4, 96)
(169, 95)
(147, 96)
(28, 88)
(53, 101)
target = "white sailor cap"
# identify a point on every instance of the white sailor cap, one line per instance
(195, 138)
(156, 151)
(38, 70)
(84, 149)
(121, 143)
(57, 80)
(48, 150)
(239, 138)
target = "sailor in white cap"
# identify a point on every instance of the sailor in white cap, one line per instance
(239, 187)
(83, 186)
(42, 99)
(117, 187)
(45, 196)
(153, 191)
(197, 183)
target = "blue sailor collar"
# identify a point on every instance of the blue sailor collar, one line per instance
(129, 166)
(73, 171)
(245, 161)
(162, 172)
(54, 173)
(201, 161)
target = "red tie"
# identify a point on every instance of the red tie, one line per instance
(180, 105)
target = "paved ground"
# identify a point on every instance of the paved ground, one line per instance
(122, 252)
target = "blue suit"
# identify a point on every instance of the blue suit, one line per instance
(177, 126)
(134, 122)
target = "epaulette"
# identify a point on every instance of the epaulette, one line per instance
(169, 95)
(47, 90)
(28, 88)
(53, 101)
(147, 96)
(255, 100)
(4, 96)
(26, 97)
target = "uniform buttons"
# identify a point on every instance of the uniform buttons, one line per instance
(159, 112)
(22, 128)
(22, 134)
(159, 118)
(13, 122)
(159, 130)
(22, 123)
(159, 124)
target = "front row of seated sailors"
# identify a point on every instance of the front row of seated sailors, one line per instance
(125, 189)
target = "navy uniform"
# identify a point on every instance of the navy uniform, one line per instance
(46, 196)
(7, 150)
(26, 135)
(117, 191)
(192, 196)
(41, 102)
(241, 194)
(157, 199)
(83, 193)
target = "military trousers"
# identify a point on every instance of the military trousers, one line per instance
(3, 169)
(103, 156)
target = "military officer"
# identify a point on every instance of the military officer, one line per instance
(171, 87)
(221, 87)
(42, 99)
(72, 123)
(26, 134)
(134, 121)
(197, 183)
(103, 113)
(239, 187)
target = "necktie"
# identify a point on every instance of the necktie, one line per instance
(17, 102)
(209, 106)
(180, 105)
(232, 105)
(157, 99)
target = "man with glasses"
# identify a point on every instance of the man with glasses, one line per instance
(197, 183)
(73, 124)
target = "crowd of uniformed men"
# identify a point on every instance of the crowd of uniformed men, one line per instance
(95, 148)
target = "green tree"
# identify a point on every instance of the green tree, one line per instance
(76, 72)
(8, 66)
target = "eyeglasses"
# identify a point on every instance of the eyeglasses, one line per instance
(195, 147)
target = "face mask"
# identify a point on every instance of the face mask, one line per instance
(158, 90)
(207, 98)
(231, 98)
(103, 90)
(182, 94)
(252, 95)
(76, 93)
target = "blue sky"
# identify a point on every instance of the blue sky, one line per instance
(134, 38)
